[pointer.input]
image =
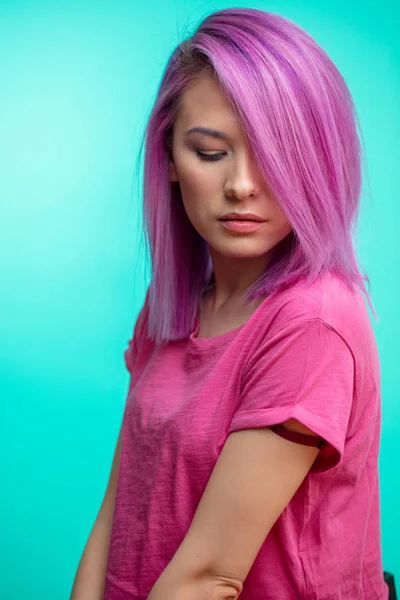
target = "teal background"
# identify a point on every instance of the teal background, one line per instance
(77, 82)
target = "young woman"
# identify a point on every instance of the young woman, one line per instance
(247, 463)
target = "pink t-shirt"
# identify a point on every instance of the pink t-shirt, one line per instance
(305, 353)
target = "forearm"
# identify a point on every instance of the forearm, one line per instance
(90, 576)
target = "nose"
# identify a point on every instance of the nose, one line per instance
(244, 177)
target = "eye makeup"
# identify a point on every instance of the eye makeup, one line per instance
(209, 157)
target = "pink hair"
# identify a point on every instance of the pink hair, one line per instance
(297, 111)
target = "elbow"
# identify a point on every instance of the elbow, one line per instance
(223, 588)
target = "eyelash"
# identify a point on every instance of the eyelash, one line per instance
(209, 157)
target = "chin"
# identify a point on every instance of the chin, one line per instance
(241, 252)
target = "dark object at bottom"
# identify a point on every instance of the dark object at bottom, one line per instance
(390, 581)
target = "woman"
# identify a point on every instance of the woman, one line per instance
(247, 463)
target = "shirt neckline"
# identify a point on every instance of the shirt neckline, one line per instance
(196, 343)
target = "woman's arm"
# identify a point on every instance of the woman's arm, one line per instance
(90, 577)
(255, 477)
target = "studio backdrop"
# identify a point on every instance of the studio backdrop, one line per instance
(77, 80)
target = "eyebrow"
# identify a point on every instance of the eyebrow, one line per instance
(207, 131)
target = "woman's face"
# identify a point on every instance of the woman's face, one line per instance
(229, 182)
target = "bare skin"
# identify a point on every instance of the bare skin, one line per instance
(231, 316)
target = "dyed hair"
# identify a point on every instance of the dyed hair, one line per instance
(298, 115)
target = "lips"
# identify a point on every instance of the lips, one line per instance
(241, 226)
(241, 217)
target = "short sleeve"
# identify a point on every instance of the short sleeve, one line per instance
(304, 372)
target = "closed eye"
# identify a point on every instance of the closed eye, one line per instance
(214, 157)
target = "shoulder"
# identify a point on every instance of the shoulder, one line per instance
(328, 299)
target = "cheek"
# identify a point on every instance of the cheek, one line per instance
(198, 213)
(284, 225)
(280, 219)
(198, 182)
(197, 195)
(193, 205)
(195, 176)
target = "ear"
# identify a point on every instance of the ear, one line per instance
(172, 171)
